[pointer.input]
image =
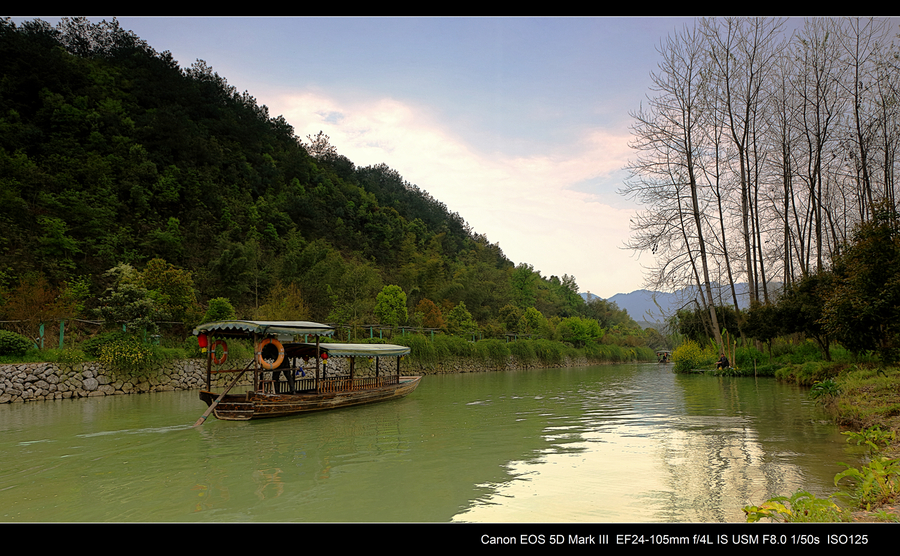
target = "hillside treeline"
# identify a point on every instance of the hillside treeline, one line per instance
(135, 190)
(760, 150)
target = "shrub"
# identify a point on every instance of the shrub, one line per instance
(93, 346)
(131, 357)
(808, 373)
(800, 507)
(875, 483)
(690, 355)
(70, 356)
(12, 343)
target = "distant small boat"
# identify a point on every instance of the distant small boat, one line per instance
(664, 356)
(282, 386)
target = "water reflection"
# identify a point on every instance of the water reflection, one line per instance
(652, 446)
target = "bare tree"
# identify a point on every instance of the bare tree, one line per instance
(816, 84)
(742, 51)
(758, 152)
(667, 137)
(860, 40)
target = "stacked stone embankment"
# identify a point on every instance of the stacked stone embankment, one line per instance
(24, 382)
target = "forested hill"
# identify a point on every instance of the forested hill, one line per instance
(111, 153)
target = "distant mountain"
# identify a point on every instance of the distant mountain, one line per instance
(652, 308)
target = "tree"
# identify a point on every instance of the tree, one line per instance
(667, 172)
(535, 322)
(219, 308)
(354, 294)
(512, 318)
(460, 321)
(172, 288)
(319, 147)
(862, 310)
(763, 323)
(34, 302)
(524, 285)
(127, 303)
(801, 309)
(284, 302)
(741, 52)
(431, 316)
(578, 331)
(390, 306)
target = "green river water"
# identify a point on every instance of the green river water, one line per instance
(614, 443)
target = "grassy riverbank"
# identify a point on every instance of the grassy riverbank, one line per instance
(864, 399)
(493, 353)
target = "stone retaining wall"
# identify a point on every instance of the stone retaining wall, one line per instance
(24, 382)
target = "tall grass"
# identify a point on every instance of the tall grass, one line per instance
(523, 351)
(493, 352)
(527, 352)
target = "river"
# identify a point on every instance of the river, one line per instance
(613, 443)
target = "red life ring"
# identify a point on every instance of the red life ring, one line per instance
(265, 364)
(215, 345)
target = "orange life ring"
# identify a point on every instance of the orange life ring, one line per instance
(265, 364)
(215, 345)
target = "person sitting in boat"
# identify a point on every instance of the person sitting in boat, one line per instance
(283, 369)
(722, 363)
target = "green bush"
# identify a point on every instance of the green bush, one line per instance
(875, 483)
(800, 507)
(12, 343)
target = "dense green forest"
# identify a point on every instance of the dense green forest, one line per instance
(137, 191)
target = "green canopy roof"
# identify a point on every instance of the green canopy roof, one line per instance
(345, 350)
(364, 350)
(246, 328)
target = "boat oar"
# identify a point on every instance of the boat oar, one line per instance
(213, 405)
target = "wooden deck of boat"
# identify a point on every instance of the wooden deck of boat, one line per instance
(257, 405)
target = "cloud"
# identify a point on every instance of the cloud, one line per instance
(529, 204)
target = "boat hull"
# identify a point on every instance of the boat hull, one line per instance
(244, 407)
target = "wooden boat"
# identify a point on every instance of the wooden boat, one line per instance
(282, 385)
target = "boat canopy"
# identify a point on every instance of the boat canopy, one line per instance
(247, 328)
(346, 350)
(365, 350)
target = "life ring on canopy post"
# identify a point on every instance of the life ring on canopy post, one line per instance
(215, 347)
(262, 362)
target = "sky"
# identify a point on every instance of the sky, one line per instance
(520, 125)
